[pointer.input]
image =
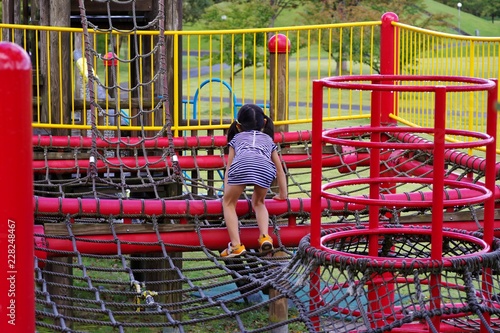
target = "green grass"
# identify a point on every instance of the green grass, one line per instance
(196, 267)
(468, 23)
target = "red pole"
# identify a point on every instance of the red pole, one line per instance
(109, 62)
(375, 169)
(379, 294)
(490, 182)
(316, 193)
(279, 47)
(17, 300)
(490, 168)
(316, 167)
(385, 103)
(388, 63)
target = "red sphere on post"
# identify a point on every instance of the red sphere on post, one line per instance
(279, 43)
(110, 59)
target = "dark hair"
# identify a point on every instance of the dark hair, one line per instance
(251, 117)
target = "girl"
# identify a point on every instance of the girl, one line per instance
(252, 160)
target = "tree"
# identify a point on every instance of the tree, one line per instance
(481, 8)
(192, 10)
(238, 49)
(344, 42)
(337, 41)
(491, 9)
(278, 6)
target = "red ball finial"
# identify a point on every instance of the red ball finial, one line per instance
(110, 59)
(279, 43)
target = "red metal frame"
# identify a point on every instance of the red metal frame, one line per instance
(159, 163)
(389, 64)
(159, 142)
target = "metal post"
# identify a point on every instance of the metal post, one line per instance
(388, 64)
(279, 48)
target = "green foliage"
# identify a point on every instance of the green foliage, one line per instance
(192, 10)
(469, 24)
(252, 14)
(482, 8)
(238, 50)
(352, 45)
(342, 42)
(491, 9)
(357, 41)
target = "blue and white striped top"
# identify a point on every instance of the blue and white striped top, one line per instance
(252, 164)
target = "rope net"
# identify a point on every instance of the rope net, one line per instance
(129, 226)
(363, 295)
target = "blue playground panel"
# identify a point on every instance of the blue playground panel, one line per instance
(195, 100)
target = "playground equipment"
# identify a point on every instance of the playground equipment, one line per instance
(16, 213)
(125, 240)
(233, 102)
(419, 276)
(397, 278)
(347, 284)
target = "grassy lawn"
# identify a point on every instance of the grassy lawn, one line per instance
(468, 23)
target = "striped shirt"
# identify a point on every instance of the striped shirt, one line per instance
(252, 163)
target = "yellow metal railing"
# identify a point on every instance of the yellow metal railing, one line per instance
(424, 52)
(213, 84)
(209, 81)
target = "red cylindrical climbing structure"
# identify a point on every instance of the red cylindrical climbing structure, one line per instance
(381, 249)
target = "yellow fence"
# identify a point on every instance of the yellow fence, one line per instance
(424, 52)
(210, 82)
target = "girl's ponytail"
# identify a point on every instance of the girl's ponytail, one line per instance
(232, 131)
(268, 127)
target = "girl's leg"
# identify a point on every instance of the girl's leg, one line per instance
(261, 213)
(231, 195)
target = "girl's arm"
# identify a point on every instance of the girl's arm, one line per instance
(280, 177)
(230, 157)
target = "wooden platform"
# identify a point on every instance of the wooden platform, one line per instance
(60, 229)
(101, 8)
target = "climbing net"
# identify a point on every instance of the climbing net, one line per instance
(129, 228)
(362, 295)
